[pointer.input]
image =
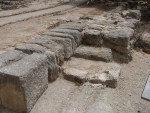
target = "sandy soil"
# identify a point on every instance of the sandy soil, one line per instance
(126, 98)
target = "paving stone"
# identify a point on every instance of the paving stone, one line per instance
(62, 35)
(94, 53)
(65, 42)
(119, 36)
(75, 33)
(108, 76)
(51, 46)
(92, 37)
(30, 48)
(10, 56)
(75, 75)
(23, 82)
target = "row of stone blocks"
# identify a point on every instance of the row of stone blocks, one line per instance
(26, 69)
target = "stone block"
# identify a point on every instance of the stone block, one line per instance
(92, 37)
(75, 75)
(119, 36)
(75, 33)
(10, 56)
(62, 35)
(65, 42)
(94, 53)
(108, 76)
(23, 82)
(51, 46)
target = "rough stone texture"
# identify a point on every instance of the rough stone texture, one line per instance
(92, 37)
(51, 46)
(23, 82)
(108, 76)
(94, 53)
(119, 36)
(132, 13)
(53, 68)
(75, 75)
(144, 41)
(65, 42)
(10, 56)
(72, 26)
(75, 33)
(30, 48)
(62, 35)
(97, 72)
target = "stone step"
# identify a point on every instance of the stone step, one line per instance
(23, 82)
(94, 53)
(81, 70)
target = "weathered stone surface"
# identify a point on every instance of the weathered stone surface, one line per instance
(75, 33)
(23, 82)
(119, 36)
(65, 42)
(73, 26)
(94, 53)
(10, 56)
(75, 75)
(51, 46)
(132, 13)
(30, 48)
(53, 68)
(62, 35)
(144, 41)
(92, 37)
(108, 76)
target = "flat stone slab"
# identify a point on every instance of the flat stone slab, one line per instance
(23, 82)
(75, 75)
(94, 53)
(146, 92)
(10, 56)
(92, 37)
(95, 72)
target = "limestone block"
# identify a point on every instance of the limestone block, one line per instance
(23, 82)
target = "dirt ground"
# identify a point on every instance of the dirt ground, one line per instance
(126, 98)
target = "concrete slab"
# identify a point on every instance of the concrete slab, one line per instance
(146, 92)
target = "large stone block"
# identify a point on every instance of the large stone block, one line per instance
(119, 36)
(23, 82)
(10, 56)
(65, 42)
(62, 35)
(94, 53)
(92, 37)
(51, 46)
(75, 33)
